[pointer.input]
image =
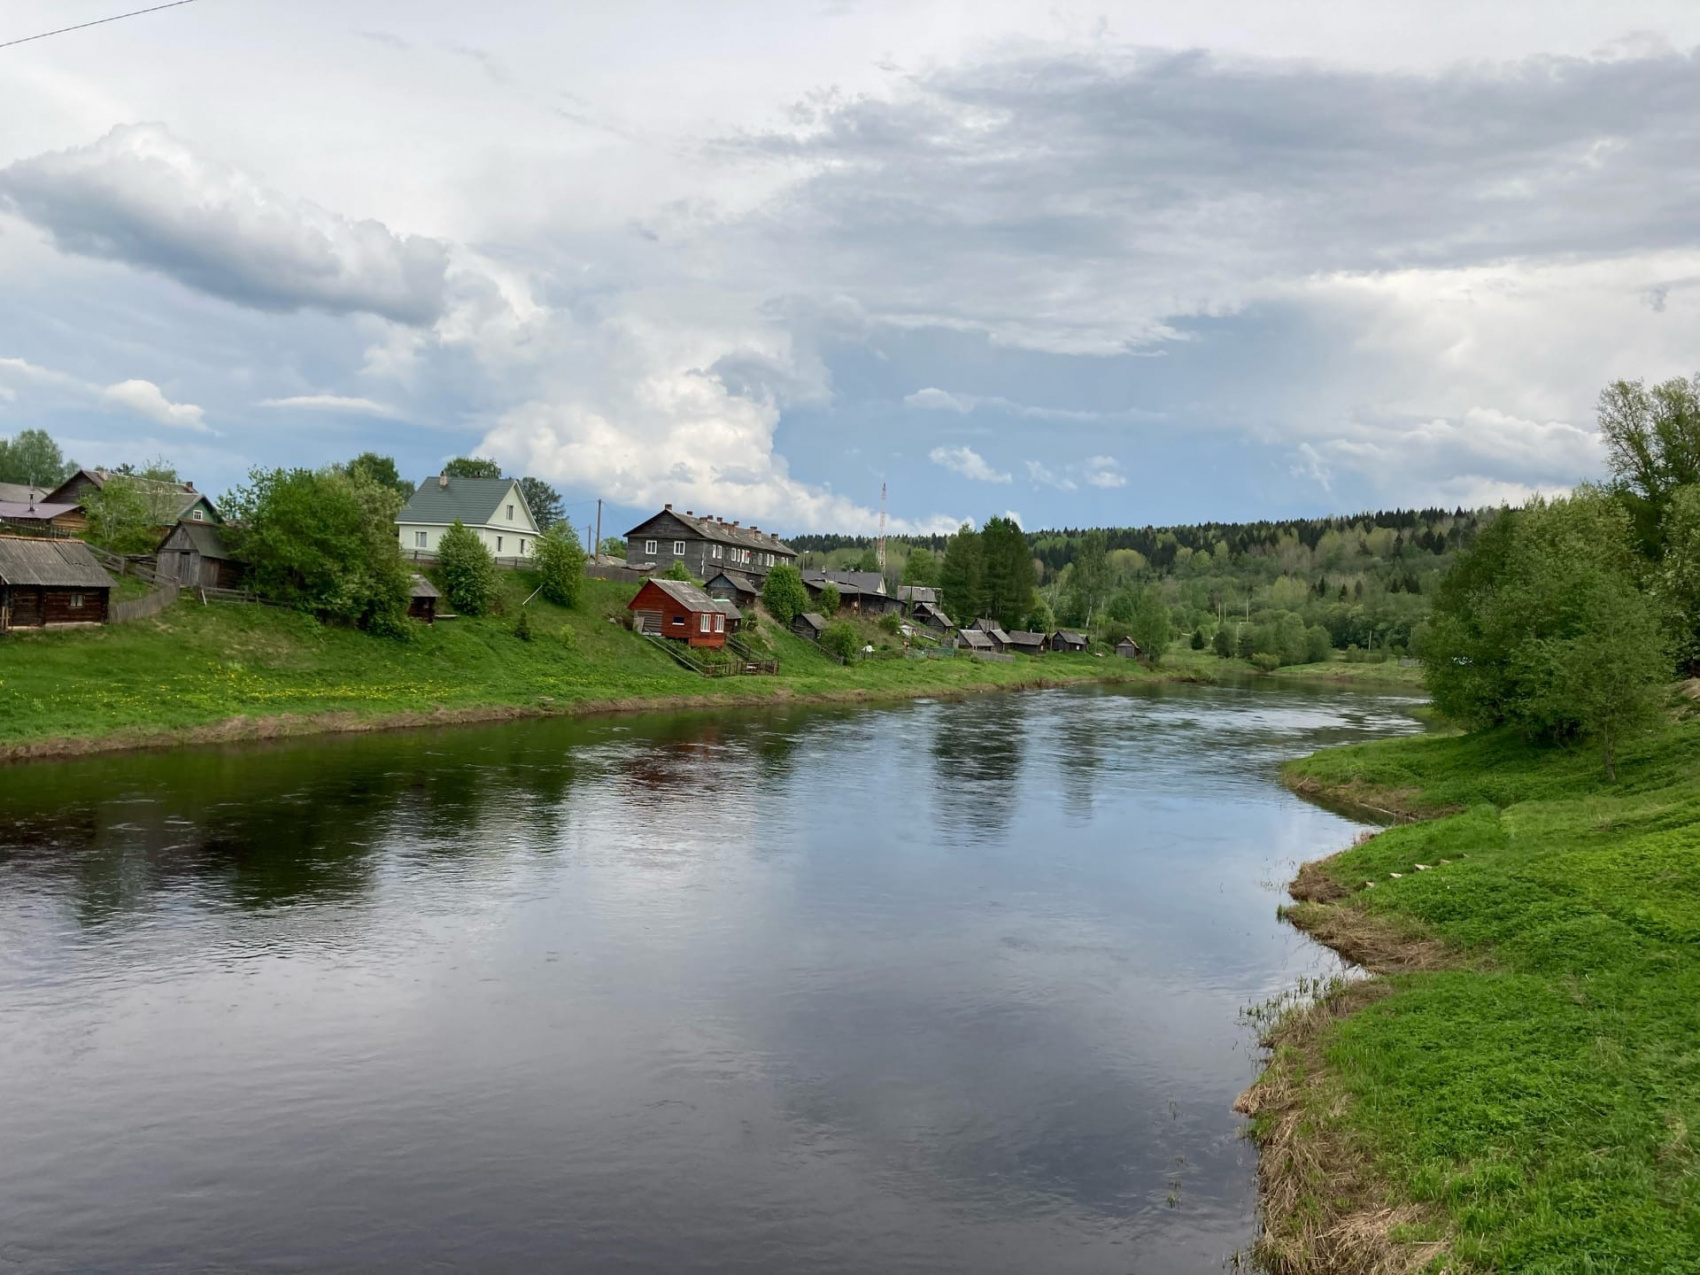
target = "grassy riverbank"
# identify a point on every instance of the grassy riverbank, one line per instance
(1519, 1090)
(200, 673)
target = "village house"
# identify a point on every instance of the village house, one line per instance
(1024, 643)
(1128, 649)
(1068, 640)
(171, 502)
(915, 594)
(861, 591)
(810, 624)
(51, 584)
(680, 610)
(41, 518)
(194, 555)
(930, 616)
(976, 640)
(493, 509)
(992, 630)
(733, 586)
(422, 598)
(706, 545)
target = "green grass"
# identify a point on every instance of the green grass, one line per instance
(196, 665)
(1389, 674)
(1541, 1097)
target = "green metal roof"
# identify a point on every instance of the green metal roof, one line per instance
(474, 501)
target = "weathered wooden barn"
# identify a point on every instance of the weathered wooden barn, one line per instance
(930, 615)
(860, 591)
(1128, 649)
(1024, 643)
(810, 624)
(195, 555)
(1068, 640)
(422, 599)
(733, 586)
(974, 640)
(51, 584)
(680, 610)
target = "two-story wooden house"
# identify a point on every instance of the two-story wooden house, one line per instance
(706, 545)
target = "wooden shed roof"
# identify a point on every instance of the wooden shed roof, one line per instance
(423, 588)
(684, 593)
(63, 564)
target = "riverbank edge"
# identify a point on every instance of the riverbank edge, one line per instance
(244, 729)
(1322, 1206)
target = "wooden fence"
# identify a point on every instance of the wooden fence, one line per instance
(141, 608)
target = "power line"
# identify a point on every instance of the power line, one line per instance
(134, 13)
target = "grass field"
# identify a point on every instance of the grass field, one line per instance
(195, 666)
(1520, 1090)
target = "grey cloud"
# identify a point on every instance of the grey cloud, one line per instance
(1079, 200)
(139, 196)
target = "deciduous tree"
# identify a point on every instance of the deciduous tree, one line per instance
(783, 594)
(560, 563)
(32, 457)
(473, 467)
(470, 577)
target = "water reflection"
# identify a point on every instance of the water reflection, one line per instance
(950, 986)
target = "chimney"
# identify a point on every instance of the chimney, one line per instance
(754, 528)
(689, 514)
(668, 508)
(442, 482)
(734, 522)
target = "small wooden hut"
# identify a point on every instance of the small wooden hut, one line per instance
(810, 624)
(194, 555)
(1068, 640)
(680, 610)
(1128, 649)
(51, 584)
(422, 600)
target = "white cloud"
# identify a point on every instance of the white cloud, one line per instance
(1104, 471)
(1094, 471)
(937, 400)
(334, 403)
(140, 196)
(1045, 476)
(146, 399)
(967, 462)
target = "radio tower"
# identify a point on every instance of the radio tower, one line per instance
(880, 553)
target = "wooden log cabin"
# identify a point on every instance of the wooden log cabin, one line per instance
(679, 610)
(51, 584)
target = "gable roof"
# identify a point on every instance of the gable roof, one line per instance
(178, 498)
(204, 539)
(918, 593)
(728, 608)
(474, 501)
(926, 609)
(847, 581)
(726, 533)
(420, 587)
(65, 564)
(684, 593)
(737, 579)
(814, 619)
(21, 493)
(974, 639)
(1069, 635)
(1022, 637)
(34, 510)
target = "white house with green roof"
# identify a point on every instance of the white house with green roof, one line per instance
(493, 508)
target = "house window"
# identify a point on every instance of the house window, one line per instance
(420, 539)
(649, 547)
(197, 516)
(679, 619)
(76, 602)
(510, 513)
(704, 618)
(522, 546)
(720, 624)
(498, 544)
(678, 548)
(716, 551)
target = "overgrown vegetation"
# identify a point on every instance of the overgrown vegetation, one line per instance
(468, 572)
(32, 458)
(560, 564)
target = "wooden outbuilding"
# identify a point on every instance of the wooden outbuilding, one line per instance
(1128, 649)
(422, 599)
(930, 616)
(1068, 640)
(678, 609)
(51, 584)
(734, 617)
(194, 555)
(733, 586)
(39, 517)
(810, 624)
(1024, 643)
(974, 640)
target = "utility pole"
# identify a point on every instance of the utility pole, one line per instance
(598, 548)
(880, 553)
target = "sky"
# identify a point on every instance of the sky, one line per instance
(1108, 264)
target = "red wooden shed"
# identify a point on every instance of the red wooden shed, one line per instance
(678, 609)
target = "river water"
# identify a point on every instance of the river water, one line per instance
(951, 986)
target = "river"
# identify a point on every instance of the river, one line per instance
(948, 986)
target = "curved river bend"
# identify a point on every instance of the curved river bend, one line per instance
(941, 987)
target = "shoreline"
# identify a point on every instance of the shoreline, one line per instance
(245, 729)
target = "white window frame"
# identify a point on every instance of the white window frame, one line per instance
(678, 548)
(198, 515)
(498, 544)
(649, 547)
(421, 539)
(717, 549)
(720, 624)
(704, 618)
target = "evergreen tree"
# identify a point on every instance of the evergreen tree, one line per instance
(1009, 574)
(922, 568)
(545, 504)
(962, 577)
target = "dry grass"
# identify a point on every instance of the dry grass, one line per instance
(1326, 1211)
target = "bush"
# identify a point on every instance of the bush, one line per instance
(677, 571)
(1198, 639)
(560, 561)
(829, 600)
(468, 571)
(522, 626)
(783, 593)
(1317, 645)
(1224, 642)
(841, 639)
(1264, 662)
(891, 622)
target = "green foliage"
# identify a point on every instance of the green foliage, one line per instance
(32, 457)
(614, 546)
(1009, 573)
(1149, 624)
(783, 594)
(469, 575)
(522, 626)
(1223, 642)
(1542, 625)
(124, 517)
(1089, 578)
(560, 563)
(382, 471)
(1039, 619)
(1675, 578)
(891, 623)
(962, 577)
(545, 503)
(841, 639)
(1197, 643)
(323, 541)
(1652, 439)
(1318, 647)
(472, 467)
(921, 568)
(869, 561)
(1264, 662)
(828, 601)
(677, 570)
